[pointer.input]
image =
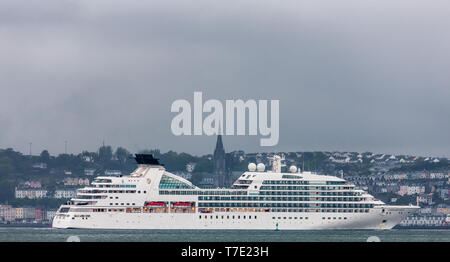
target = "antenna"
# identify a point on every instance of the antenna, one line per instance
(277, 162)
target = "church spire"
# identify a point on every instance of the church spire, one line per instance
(219, 165)
(219, 144)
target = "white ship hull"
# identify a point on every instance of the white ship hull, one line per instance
(152, 198)
(375, 219)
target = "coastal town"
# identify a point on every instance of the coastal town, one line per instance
(394, 179)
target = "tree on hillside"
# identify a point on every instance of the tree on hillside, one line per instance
(105, 154)
(122, 154)
(45, 156)
(6, 165)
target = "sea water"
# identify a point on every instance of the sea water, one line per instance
(97, 235)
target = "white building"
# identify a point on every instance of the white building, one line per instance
(65, 193)
(190, 167)
(29, 213)
(49, 215)
(113, 172)
(89, 171)
(40, 165)
(423, 221)
(31, 193)
(76, 181)
(415, 190)
(425, 199)
(7, 213)
(185, 175)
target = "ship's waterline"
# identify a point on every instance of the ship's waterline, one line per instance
(100, 235)
(152, 198)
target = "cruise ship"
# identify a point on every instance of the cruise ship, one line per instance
(153, 198)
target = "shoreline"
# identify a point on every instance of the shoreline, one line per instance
(31, 225)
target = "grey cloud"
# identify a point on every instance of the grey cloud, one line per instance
(350, 75)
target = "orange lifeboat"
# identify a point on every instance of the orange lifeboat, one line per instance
(182, 204)
(160, 204)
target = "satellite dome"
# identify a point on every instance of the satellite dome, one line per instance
(260, 167)
(252, 167)
(293, 169)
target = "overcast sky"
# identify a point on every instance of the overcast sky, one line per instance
(350, 75)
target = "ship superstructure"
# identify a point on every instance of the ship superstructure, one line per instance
(152, 198)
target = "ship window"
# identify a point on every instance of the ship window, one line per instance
(172, 183)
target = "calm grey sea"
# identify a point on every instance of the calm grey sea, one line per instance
(61, 235)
